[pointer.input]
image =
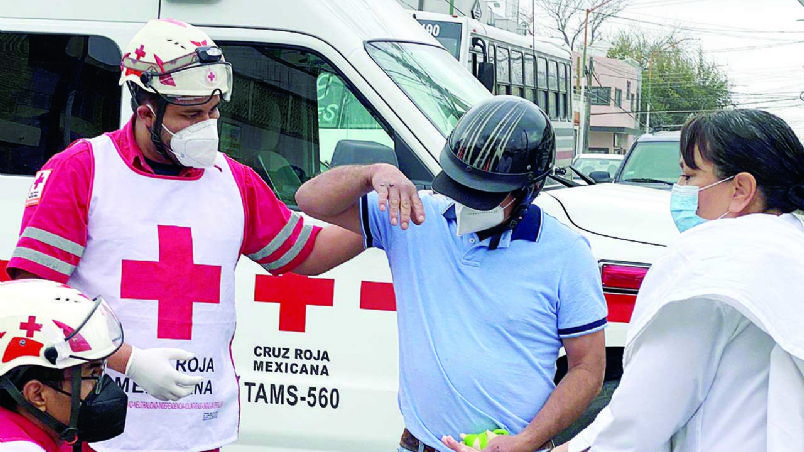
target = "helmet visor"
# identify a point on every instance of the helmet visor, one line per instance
(470, 197)
(99, 335)
(199, 83)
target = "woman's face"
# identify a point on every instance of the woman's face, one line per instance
(714, 201)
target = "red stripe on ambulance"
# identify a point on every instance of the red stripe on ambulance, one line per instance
(377, 296)
(3, 275)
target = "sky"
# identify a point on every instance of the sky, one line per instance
(758, 44)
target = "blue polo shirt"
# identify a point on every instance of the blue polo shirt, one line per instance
(480, 329)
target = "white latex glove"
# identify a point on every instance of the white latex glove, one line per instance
(152, 369)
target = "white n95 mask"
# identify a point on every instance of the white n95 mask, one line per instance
(472, 220)
(197, 145)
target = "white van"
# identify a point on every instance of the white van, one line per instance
(317, 83)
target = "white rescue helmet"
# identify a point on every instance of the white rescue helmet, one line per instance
(175, 59)
(47, 324)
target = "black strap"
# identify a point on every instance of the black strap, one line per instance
(75, 405)
(156, 132)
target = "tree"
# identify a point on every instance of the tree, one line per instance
(677, 79)
(567, 17)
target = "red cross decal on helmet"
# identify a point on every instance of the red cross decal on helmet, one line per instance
(77, 342)
(176, 282)
(20, 346)
(140, 51)
(30, 326)
(211, 77)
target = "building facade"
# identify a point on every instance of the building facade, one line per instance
(614, 93)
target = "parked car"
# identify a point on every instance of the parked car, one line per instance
(604, 166)
(652, 161)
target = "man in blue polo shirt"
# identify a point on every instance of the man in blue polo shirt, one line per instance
(488, 288)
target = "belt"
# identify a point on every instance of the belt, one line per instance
(411, 443)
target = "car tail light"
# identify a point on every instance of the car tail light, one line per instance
(620, 285)
(627, 277)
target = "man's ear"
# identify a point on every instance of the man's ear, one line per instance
(145, 115)
(37, 394)
(746, 197)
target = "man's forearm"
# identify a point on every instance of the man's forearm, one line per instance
(567, 402)
(333, 192)
(119, 359)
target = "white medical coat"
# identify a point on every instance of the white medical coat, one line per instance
(713, 357)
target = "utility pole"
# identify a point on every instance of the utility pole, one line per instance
(650, 71)
(580, 147)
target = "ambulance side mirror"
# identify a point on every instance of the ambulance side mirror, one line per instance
(360, 152)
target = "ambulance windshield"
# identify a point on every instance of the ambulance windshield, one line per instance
(439, 86)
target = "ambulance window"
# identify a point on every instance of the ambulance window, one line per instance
(55, 89)
(292, 116)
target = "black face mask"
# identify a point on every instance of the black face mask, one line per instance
(102, 414)
(99, 417)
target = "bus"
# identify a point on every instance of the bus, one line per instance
(508, 63)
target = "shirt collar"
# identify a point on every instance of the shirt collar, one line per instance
(528, 229)
(133, 156)
(32, 430)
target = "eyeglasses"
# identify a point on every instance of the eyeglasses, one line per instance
(96, 387)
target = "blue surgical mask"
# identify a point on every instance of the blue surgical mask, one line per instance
(684, 205)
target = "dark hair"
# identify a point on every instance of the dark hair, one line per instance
(19, 376)
(752, 141)
(139, 96)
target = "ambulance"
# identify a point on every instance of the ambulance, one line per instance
(318, 83)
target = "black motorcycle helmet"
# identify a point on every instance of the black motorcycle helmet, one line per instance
(502, 145)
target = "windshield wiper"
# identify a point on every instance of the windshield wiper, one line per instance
(584, 177)
(647, 180)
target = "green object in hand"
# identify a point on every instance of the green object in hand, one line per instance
(480, 440)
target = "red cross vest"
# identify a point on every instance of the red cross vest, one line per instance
(162, 251)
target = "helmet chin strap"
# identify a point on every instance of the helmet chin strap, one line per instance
(66, 433)
(524, 197)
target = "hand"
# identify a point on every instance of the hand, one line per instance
(398, 195)
(152, 369)
(497, 443)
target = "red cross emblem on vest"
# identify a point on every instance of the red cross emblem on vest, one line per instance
(175, 282)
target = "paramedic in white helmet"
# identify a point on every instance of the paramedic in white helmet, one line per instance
(54, 342)
(158, 232)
